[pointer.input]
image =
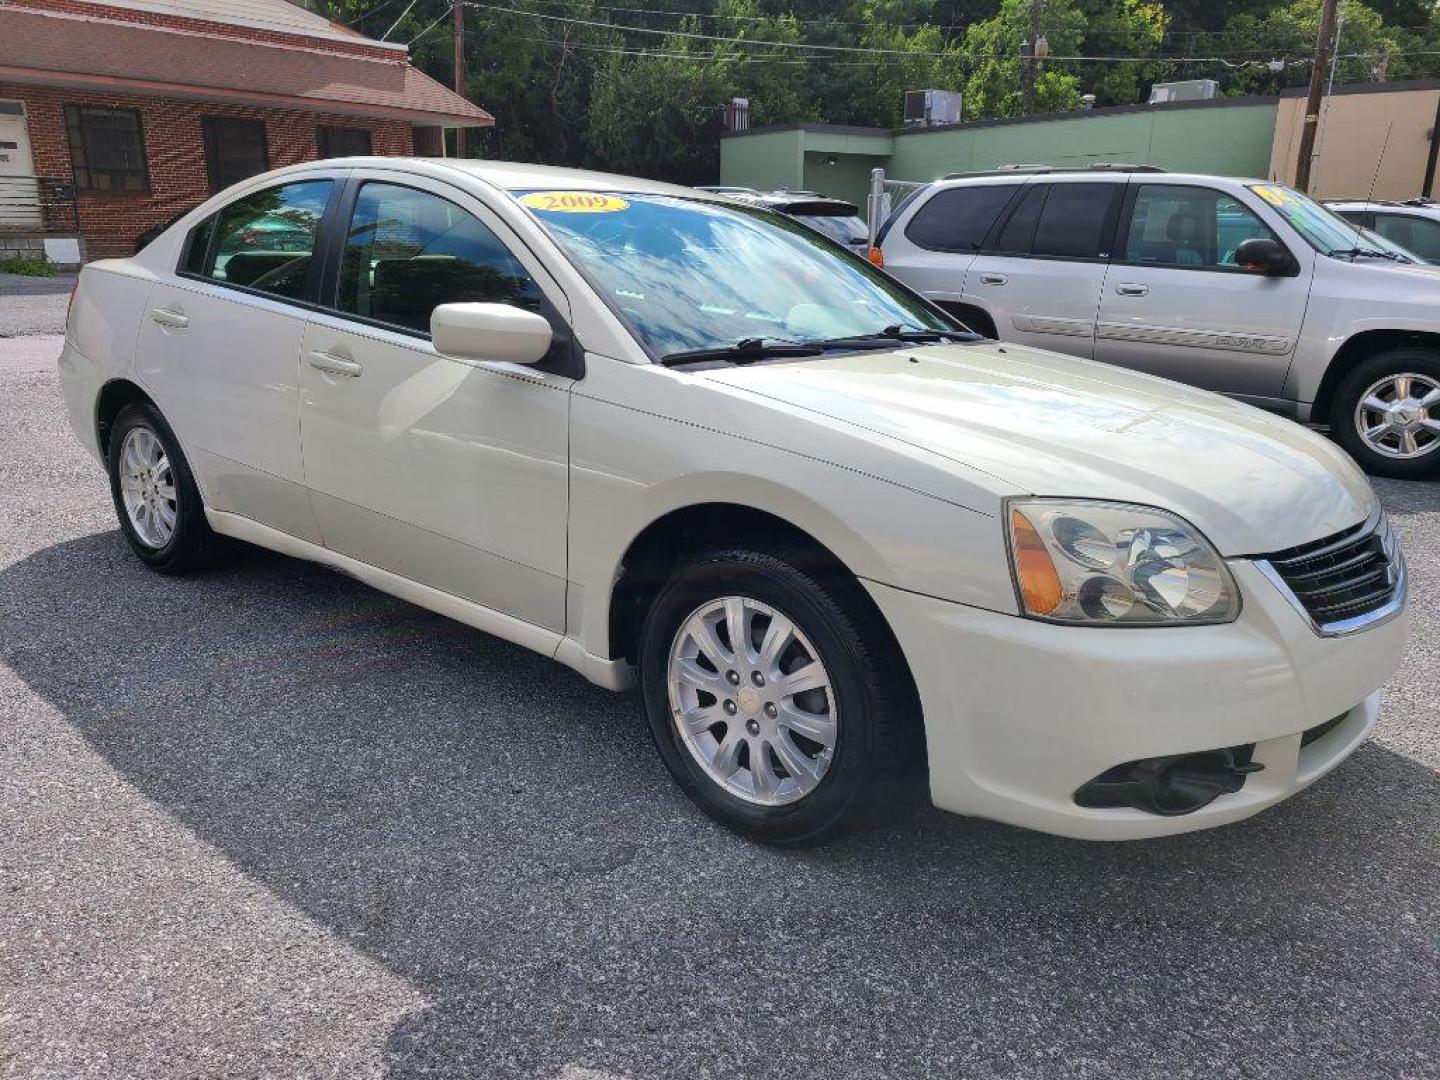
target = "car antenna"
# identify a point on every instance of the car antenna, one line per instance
(1370, 195)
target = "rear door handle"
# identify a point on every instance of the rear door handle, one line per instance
(994, 279)
(1132, 290)
(172, 319)
(334, 363)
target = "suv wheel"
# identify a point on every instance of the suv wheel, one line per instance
(1386, 413)
(772, 695)
(155, 495)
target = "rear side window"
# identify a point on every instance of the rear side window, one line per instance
(1075, 221)
(407, 252)
(957, 219)
(1015, 238)
(263, 242)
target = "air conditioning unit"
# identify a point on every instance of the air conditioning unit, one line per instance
(926, 108)
(1188, 90)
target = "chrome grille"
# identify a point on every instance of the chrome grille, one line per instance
(1345, 581)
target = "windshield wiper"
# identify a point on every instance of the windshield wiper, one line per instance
(745, 351)
(1357, 252)
(895, 333)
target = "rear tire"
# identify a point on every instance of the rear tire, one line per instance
(715, 712)
(156, 500)
(1382, 410)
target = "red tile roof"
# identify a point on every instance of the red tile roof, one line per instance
(69, 50)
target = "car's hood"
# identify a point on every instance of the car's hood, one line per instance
(1421, 277)
(1049, 424)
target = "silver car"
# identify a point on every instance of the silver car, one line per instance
(1246, 287)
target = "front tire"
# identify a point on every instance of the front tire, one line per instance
(1386, 414)
(155, 496)
(794, 735)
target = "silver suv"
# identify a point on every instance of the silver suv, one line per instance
(1245, 287)
(1414, 223)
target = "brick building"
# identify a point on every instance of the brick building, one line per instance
(116, 115)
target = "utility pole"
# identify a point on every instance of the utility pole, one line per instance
(1027, 85)
(459, 9)
(1318, 70)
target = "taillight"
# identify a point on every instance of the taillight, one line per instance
(71, 302)
(876, 257)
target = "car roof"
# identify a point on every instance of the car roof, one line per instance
(1413, 206)
(508, 175)
(1114, 174)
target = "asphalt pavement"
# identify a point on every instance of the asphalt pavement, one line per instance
(266, 822)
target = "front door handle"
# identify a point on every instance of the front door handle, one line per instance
(173, 319)
(1131, 289)
(994, 279)
(334, 363)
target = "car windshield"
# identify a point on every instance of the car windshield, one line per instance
(690, 274)
(1323, 229)
(848, 230)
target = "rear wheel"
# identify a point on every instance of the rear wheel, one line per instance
(1386, 413)
(155, 495)
(773, 696)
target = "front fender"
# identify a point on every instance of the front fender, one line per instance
(881, 530)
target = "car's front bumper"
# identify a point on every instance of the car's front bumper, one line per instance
(1020, 714)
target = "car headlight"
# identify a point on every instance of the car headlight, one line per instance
(1114, 564)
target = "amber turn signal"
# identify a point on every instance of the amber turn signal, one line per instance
(876, 257)
(1039, 583)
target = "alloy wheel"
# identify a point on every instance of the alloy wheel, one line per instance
(1399, 416)
(752, 701)
(147, 487)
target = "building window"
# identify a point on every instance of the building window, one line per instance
(107, 149)
(343, 142)
(234, 150)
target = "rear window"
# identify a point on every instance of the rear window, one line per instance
(957, 219)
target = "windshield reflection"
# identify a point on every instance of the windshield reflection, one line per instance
(688, 274)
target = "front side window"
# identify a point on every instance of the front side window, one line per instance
(407, 252)
(264, 241)
(334, 142)
(957, 219)
(107, 149)
(235, 150)
(1178, 225)
(688, 274)
(1413, 233)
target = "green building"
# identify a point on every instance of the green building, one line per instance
(1231, 136)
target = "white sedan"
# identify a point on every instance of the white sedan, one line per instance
(666, 438)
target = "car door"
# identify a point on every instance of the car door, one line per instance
(1042, 269)
(1176, 304)
(938, 242)
(219, 349)
(449, 472)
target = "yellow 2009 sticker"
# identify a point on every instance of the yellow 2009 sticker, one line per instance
(574, 202)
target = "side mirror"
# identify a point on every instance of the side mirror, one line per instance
(490, 332)
(1268, 257)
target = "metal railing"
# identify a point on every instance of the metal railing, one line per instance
(885, 195)
(37, 205)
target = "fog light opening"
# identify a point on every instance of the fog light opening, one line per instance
(1173, 785)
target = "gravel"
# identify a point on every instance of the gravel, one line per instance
(267, 822)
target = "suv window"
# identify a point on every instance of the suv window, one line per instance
(1417, 234)
(1018, 233)
(957, 219)
(1174, 225)
(264, 241)
(407, 252)
(1073, 223)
